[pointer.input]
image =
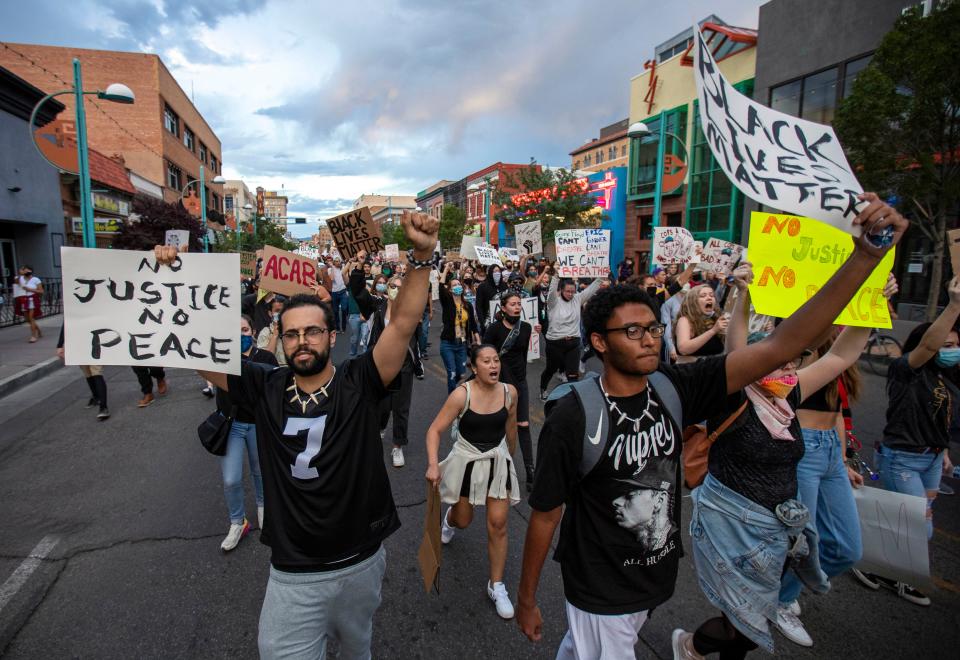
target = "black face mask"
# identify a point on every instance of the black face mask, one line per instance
(652, 291)
(468, 281)
(511, 319)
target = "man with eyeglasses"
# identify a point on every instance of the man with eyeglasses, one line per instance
(327, 497)
(614, 576)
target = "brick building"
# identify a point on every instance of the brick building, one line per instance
(476, 201)
(162, 137)
(111, 200)
(275, 207)
(603, 153)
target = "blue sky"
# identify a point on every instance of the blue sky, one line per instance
(335, 99)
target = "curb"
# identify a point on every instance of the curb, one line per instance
(29, 375)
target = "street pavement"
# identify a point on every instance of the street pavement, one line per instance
(128, 516)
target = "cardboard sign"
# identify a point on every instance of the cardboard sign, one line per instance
(428, 556)
(178, 238)
(467, 244)
(286, 273)
(529, 312)
(697, 252)
(391, 252)
(453, 256)
(355, 231)
(487, 255)
(778, 160)
(672, 245)
(122, 308)
(793, 257)
(508, 254)
(248, 265)
(583, 252)
(720, 257)
(529, 238)
(953, 242)
(894, 531)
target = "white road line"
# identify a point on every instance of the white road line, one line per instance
(20, 576)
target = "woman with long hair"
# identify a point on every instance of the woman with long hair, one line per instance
(459, 327)
(479, 469)
(701, 326)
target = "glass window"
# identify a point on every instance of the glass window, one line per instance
(174, 177)
(786, 98)
(850, 72)
(623, 151)
(820, 96)
(213, 164)
(228, 203)
(203, 153)
(171, 121)
(188, 139)
(599, 156)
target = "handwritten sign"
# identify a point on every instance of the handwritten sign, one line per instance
(392, 252)
(122, 308)
(894, 531)
(178, 238)
(286, 273)
(487, 255)
(529, 312)
(793, 257)
(508, 254)
(248, 265)
(720, 257)
(354, 231)
(583, 252)
(529, 238)
(672, 245)
(773, 158)
(467, 244)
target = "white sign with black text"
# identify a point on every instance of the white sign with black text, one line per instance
(529, 238)
(529, 312)
(583, 252)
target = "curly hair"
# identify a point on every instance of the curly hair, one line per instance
(601, 306)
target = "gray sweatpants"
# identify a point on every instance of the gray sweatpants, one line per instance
(302, 610)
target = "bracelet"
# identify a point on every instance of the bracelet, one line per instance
(417, 263)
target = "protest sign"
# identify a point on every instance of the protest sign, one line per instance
(178, 238)
(452, 256)
(248, 265)
(392, 252)
(529, 238)
(467, 244)
(428, 555)
(672, 245)
(355, 231)
(529, 312)
(893, 527)
(697, 253)
(508, 254)
(774, 158)
(286, 273)
(793, 257)
(720, 257)
(583, 252)
(953, 242)
(487, 255)
(122, 308)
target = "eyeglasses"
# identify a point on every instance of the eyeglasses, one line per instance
(636, 332)
(309, 335)
(796, 362)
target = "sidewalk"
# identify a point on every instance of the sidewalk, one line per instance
(22, 362)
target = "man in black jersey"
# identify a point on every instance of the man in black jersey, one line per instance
(619, 545)
(328, 503)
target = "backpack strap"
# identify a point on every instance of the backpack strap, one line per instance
(668, 394)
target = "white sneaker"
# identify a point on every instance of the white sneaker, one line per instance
(792, 628)
(682, 643)
(794, 608)
(498, 594)
(259, 517)
(446, 531)
(398, 457)
(236, 533)
(383, 433)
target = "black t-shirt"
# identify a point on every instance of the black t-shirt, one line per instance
(620, 542)
(749, 460)
(245, 415)
(326, 492)
(919, 406)
(514, 361)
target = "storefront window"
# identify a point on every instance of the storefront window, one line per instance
(643, 161)
(786, 98)
(820, 96)
(850, 72)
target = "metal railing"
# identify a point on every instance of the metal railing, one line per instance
(51, 302)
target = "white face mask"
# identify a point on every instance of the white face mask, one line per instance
(496, 278)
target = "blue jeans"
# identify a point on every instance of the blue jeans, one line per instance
(826, 491)
(243, 439)
(424, 332)
(340, 307)
(355, 323)
(912, 474)
(454, 356)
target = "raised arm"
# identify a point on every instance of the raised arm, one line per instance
(937, 333)
(587, 293)
(554, 293)
(739, 326)
(391, 350)
(801, 330)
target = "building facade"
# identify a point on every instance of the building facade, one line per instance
(112, 200)
(479, 212)
(386, 208)
(603, 153)
(236, 197)
(694, 192)
(432, 199)
(162, 137)
(275, 207)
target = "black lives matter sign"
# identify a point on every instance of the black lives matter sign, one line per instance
(355, 231)
(122, 308)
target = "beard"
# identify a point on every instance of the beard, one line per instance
(317, 363)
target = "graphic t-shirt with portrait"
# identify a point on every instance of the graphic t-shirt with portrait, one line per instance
(620, 544)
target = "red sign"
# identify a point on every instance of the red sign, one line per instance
(57, 142)
(605, 186)
(674, 172)
(577, 186)
(192, 203)
(651, 83)
(286, 273)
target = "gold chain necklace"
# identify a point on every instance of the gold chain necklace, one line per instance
(312, 396)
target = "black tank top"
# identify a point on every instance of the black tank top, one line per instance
(484, 431)
(818, 401)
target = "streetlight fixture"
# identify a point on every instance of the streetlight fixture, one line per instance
(115, 92)
(203, 202)
(474, 187)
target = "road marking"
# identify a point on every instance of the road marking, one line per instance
(945, 584)
(26, 568)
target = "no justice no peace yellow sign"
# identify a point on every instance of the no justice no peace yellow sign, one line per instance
(793, 257)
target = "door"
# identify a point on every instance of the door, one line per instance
(8, 263)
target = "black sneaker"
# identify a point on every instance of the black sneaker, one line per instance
(92, 403)
(103, 414)
(208, 392)
(904, 590)
(869, 580)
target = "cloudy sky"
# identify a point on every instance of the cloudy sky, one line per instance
(333, 99)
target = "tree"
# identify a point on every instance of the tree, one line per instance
(392, 232)
(268, 233)
(901, 125)
(452, 223)
(558, 198)
(153, 218)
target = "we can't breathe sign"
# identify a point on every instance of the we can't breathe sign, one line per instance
(122, 308)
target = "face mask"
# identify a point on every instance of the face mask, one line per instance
(531, 273)
(778, 387)
(387, 271)
(652, 291)
(276, 317)
(948, 357)
(457, 290)
(468, 281)
(710, 315)
(496, 278)
(246, 342)
(381, 288)
(393, 293)
(511, 319)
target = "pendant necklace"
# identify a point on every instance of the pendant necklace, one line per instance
(635, 421)
(312, 396)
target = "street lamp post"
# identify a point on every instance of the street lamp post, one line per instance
(116, 92)
(203, 202)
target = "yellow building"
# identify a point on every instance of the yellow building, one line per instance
(695, 192)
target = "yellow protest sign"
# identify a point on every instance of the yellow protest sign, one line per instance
(793, 257)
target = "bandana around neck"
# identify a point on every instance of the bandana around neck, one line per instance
(776, 415)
